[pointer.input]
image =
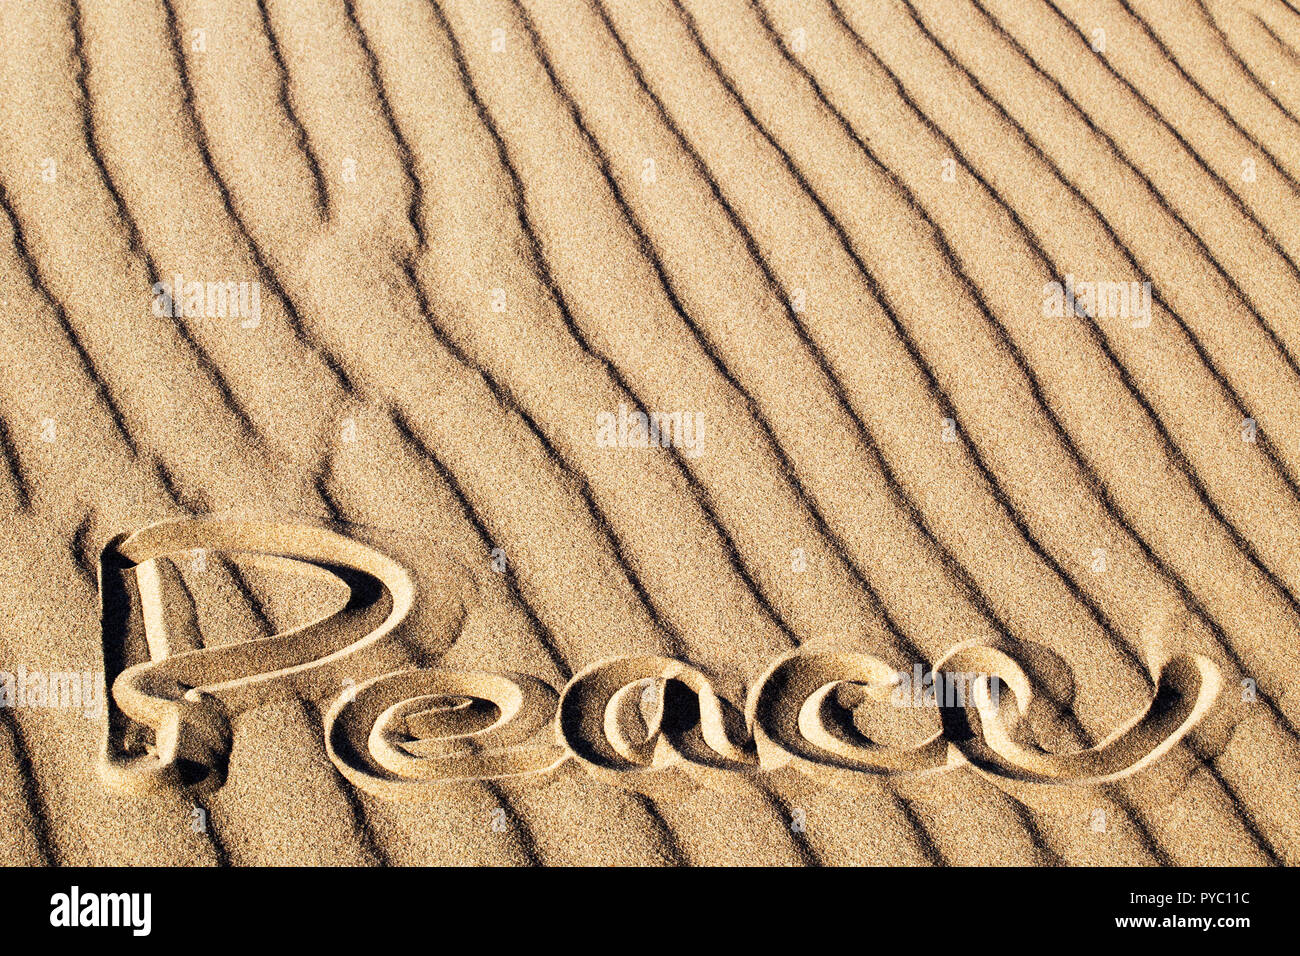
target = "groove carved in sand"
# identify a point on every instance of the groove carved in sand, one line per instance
(186, 697)
(404, 734)
(653, 724)
(647, 723)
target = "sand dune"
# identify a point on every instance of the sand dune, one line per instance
(460, 244)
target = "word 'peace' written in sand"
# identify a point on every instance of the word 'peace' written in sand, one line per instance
(647, 722)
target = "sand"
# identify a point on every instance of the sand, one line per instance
(377, 571)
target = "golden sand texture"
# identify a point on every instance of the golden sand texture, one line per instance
(482, 230)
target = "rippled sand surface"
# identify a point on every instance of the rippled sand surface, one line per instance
(854, 246)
